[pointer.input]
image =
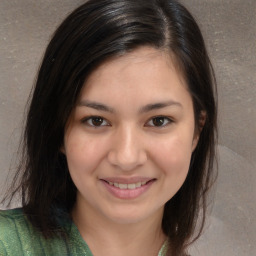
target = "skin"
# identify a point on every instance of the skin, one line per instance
(138, 91)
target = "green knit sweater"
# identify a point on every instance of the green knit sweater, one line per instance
(19, 238)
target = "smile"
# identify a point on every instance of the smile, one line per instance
(127, 189)
(127, 186)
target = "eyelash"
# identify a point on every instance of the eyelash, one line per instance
(166, 122)
(89, 121)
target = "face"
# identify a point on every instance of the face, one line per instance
(130, 137)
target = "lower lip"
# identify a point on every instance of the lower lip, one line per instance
(127, 193)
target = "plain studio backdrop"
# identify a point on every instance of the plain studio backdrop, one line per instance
(229, 28)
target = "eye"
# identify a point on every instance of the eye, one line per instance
(95, 121)
(159, 121)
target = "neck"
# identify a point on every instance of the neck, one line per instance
(106, 237)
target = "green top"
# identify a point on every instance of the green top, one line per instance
(19, 237)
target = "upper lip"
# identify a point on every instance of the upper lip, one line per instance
(130, 180)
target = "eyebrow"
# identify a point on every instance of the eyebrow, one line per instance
(159, 105)
(95, 105)
(146, 108)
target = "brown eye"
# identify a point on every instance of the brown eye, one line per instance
(95, 121)
(159, 121)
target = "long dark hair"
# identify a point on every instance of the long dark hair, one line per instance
(96, 31)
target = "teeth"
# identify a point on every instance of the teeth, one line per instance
(127, 186)
(138, 184)
(131, 186)
(123, 186)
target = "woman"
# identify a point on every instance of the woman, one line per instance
(119, 138)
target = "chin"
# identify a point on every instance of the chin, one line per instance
(130, 215)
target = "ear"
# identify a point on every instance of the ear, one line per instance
(62, 150)
(201, 121)
(199, 128)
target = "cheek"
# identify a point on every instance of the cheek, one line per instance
(83, 153)
(173, 155)
(172, 158)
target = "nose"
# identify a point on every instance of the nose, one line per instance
(127, 151)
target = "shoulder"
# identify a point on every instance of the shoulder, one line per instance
(11, 215)
(19, 237)
(13, 224)
(10, 221)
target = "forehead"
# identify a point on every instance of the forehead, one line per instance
(144, 66)
(128, 84)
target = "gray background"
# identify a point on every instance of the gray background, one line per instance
(229, 27)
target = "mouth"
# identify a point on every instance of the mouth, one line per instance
(128, 185)
(127, 189)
